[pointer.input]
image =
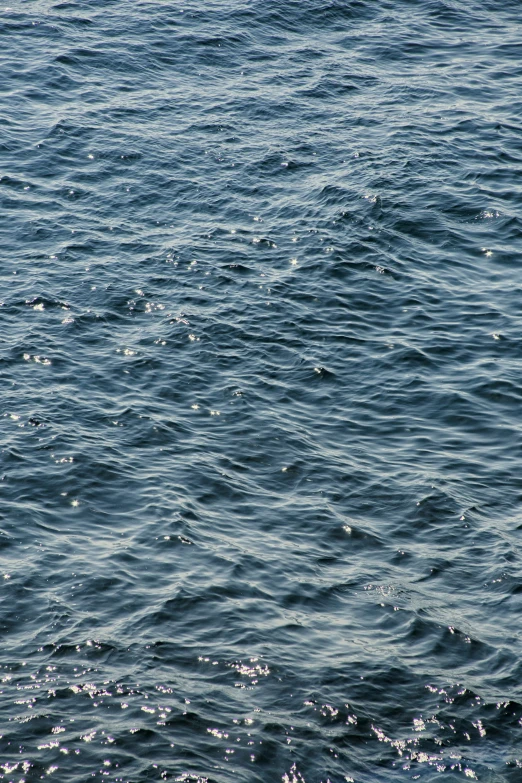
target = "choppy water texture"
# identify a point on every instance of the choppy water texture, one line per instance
(260, 344)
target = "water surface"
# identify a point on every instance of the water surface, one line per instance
(260, 346)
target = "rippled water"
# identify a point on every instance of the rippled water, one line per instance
(260, 343)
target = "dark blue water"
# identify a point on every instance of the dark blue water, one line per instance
(261, 391)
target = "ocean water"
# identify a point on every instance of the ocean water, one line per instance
(261, 391)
